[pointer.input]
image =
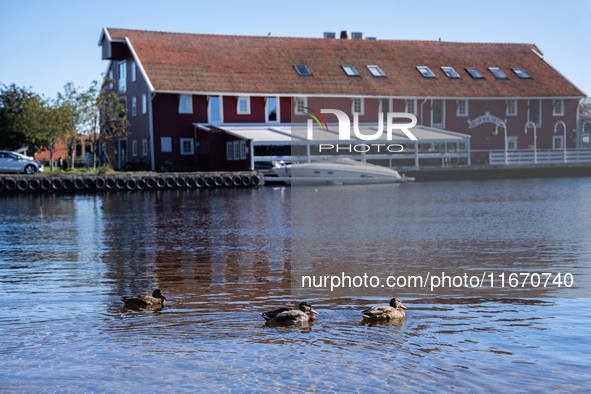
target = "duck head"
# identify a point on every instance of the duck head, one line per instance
(397, 303)
(158, 294)
(306, 308)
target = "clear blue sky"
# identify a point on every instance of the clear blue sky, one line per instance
(46, 44)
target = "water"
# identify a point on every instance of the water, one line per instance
(223, 256)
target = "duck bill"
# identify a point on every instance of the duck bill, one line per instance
(403, 307)
(313, 311)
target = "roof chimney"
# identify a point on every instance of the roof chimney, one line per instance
(329, 35)
(357, 36)
(345, 35)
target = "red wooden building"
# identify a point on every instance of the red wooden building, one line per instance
(182, 89)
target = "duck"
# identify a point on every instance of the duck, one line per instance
(303, 313)
(393, 311)
(157, 299)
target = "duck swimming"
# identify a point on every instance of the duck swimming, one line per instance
(157, 299)
(303, 313)
(394, 311)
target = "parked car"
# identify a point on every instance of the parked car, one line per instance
(15, 162)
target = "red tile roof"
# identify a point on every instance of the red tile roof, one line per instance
(239, 64)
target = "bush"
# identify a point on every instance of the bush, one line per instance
(105, 169)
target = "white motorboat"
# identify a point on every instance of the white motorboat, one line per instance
(337, 171)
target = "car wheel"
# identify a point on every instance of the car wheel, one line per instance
(30, 169)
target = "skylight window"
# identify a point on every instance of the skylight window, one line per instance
(376, 71)
(521, 74)
(450, 72)
(302, 70)
(350, 71)
(426, 72)
(497, 73)
(474, 73)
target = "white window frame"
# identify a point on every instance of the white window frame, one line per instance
(133, 106)
(242, 150)
(444, 69)
(458, 109)
(304, 101)
(190, 97)
(426, 72)
(528, 112)
(389, 101)
(414, 104)
(267, 110)
(442, 125)
(561, 112)
(493, 69)
(122, 74)
(221, 120)
(507, 108)
(350, 70)
(134, 148)
(144, 104)
(361, 103)
(511, 139)
(133, 72)
(239, 111)
(236, 145)
(380, 73)
(166, 144)
(192, 145)
(111, 79)
(229, 150)
(144, 147)
(558, 138)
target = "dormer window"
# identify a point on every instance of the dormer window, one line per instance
(520, 73)
(474, 73)
(376, 71)
(350, 71)
(426, 72)
(302, 70)
(450, 72)
(497, 73)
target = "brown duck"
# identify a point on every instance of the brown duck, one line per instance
(157, 299)
(303, 313)
(394, 311)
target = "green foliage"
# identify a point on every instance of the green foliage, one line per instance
(57, 172)
(105, 169)
(18, 115)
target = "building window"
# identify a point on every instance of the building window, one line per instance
(272, 109)
(450, 72)
(242, 150)
(512, 143)
(122, 77)
(236, 145)
(357, 107)
(474, 73)
(511, 108)
(497, 73)
(535, 114)
(521, 74)
(557, 142)
(558, 108)
(111, 79)
(300, 105)
(134, 148)
(215, 109)
(438, 114)
(132, 71)
(462, 108)
(145, 147)
(350, 71)
(166, 144)
(229, 150)
(243, 105)
(376, 71)
(187, 146)
(426, 72)
(302, 70)
(385, 107)
(186, 104)
(144, 104)
(411, 106)
(133, 106)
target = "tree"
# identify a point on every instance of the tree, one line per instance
(18, 110)
(112, 112)
(53, 126)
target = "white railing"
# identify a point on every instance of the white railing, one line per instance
(541, 157)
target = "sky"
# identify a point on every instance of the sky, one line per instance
(44, 45)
